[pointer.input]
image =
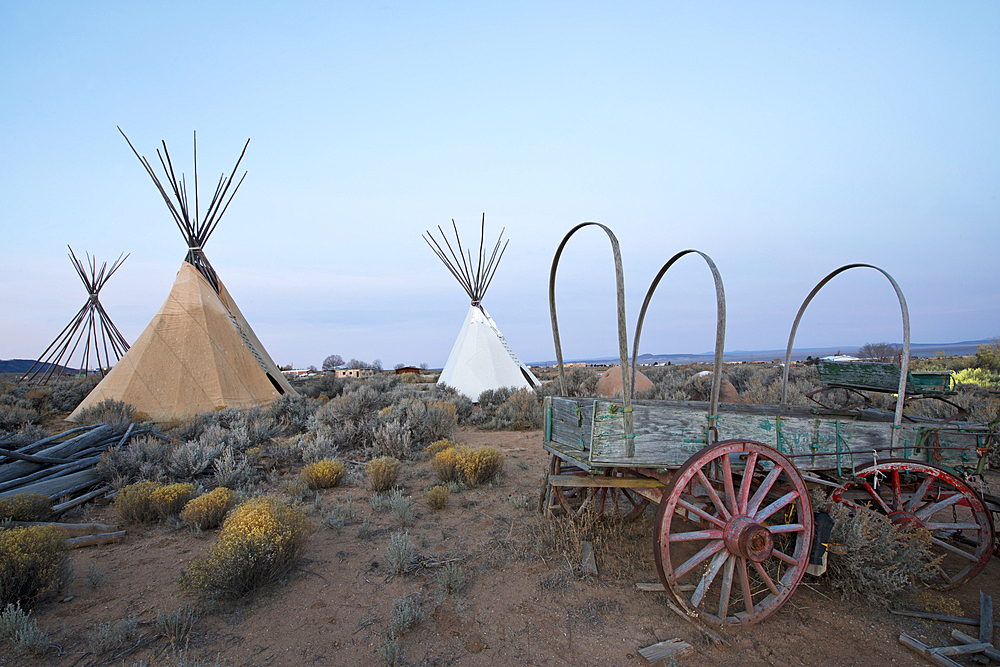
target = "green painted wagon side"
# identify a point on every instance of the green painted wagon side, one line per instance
(882, 377)
(667, 433)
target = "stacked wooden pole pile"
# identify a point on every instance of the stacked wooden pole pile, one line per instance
(60, 467)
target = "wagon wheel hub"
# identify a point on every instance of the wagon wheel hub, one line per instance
(901, 518)
(748, 539)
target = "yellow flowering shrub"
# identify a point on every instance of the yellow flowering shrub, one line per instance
(208, 510)
(31, 564)
(134, 503)
(382, 472)
(438, 446)
(323, 474)
(171, 499)
(445, 463)
(437, 497)
(260, 542)
(25, 507)
(480, 465)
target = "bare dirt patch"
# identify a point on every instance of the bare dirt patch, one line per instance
(523, 603)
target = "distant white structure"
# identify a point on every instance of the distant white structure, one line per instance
(839, 357)
(481, 358)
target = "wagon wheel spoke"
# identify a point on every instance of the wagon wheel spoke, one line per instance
(727, 482)
(953, 549)
(727, 586)
(708, 550)
(930, 510)
(713, 495)
(876, 497)
(745, 585)
(694, 509)
(763, 490)
(920, 493)
(777, 505)
(706, 579)
(745, 482)
(767, 579)
(696, 535)
(783, 556)
(897, 493)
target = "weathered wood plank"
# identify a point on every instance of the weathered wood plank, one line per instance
(920, 648)
(54, 485)
(990, 652)
(601, 481)
(658, 654)
(94, 540)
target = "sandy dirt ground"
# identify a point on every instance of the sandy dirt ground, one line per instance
(524, 603)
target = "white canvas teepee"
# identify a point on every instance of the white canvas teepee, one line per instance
(199, 352)
(481, 358)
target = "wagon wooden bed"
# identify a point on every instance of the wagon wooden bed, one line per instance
(734, 483)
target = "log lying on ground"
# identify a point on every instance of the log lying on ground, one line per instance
(72, 529)
(93, 540)
(91, 439)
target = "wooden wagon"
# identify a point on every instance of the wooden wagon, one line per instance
(734, 483)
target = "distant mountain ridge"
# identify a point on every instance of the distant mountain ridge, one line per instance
(24, 365)
(798, 354)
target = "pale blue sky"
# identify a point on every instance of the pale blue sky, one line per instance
(783, 139)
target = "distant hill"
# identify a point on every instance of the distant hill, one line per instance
(916, 350)
(24, 365)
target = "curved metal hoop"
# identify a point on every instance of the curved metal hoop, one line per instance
(904, 364)
(622, 331)
(720, 326)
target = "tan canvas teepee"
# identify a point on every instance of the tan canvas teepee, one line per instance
(198, 353)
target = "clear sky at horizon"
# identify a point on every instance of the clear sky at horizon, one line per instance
(783, 139)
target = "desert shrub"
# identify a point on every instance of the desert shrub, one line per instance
(192, 459)
(428, 420)
(32, 562)
(114, 413)
(399, 553)
(437, 497)
(177, 626)
(208, 510)
(350, 419)
(19, 629)
(988, 356)
(392, 439)
(171, 499)
(324, 474)
(978, 376)
(16, 417)
(68, 394)
(134, 503)
(112, 634)
(405, 614)
(382, 472)
(233, 470)
(445, 464)
(450, 579)
(438, 446)
(388, 652)
(328, 385)
(292, 412)
(479, 466)
(401, 508)
(340, 515)
(261, 542)
(145, 457)
(25, 507)
(520, 410)
(881, 558)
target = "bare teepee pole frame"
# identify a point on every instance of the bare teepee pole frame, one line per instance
(195, 228)
(474, 277)
(91, 326)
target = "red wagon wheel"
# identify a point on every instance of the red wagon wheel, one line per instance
(615, 503)
(910, 493)
(741, 510)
